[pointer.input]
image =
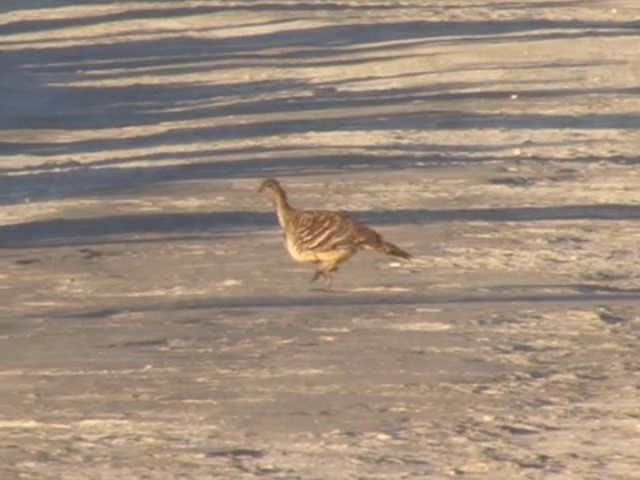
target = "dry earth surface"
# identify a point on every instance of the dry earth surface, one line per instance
(151, 322)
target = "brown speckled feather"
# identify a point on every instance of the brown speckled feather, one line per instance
(321, 230)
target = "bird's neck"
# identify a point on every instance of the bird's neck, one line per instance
(283, 210)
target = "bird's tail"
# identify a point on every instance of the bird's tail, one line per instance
(369, 239)
(389, 248)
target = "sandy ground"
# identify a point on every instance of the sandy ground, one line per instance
(151, 323)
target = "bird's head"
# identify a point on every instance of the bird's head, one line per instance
(272, 189)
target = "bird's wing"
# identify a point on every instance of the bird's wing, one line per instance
(322, 231)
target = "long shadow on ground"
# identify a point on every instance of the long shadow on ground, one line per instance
(580, 294)
(88, 230)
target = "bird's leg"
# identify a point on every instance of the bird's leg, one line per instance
(328, 280)
(328, 275)
(319, 271)
(317, 275)
(326, 270)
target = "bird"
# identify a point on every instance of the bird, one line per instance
(323, 237)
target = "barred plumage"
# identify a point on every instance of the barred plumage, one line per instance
(324, 237)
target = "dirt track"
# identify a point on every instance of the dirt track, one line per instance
(152, 324)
